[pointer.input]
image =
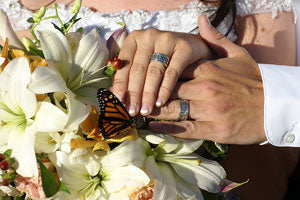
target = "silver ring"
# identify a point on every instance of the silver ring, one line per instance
(184, 109)
(160, 57)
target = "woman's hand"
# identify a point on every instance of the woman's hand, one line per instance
(141, 83)
(225, 97)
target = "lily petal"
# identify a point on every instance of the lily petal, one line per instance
(78, 112)
(13, 82)
(73, 175)
(91, 55)
(21, 141)
(209, 175)
(164, 182)
(186, 190)
(47, 79)
(128, 152)
(56, 50)
(49, 118)
(47, 142)
(129, 178)
(187, 146)
(6, 31)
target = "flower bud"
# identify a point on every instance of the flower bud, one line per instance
(115, 41)
(6, 31)
(38, 15)
(28, 43)
(4, 164)
(76, 6)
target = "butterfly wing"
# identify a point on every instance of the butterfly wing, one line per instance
(114, 119)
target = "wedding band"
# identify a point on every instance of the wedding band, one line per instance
(160, 57)
(183, 110)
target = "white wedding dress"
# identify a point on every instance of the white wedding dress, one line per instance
(184, 19)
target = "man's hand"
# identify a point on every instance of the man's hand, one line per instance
(225, 96)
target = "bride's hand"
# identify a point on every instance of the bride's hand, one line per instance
(225, 97)
(141, 83)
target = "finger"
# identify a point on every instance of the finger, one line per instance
(155, 75)
(177, 64)
(198, 110)
(137, 76)
(216, 41)
(120, 80)
(185, 129)
(192, 71)
(200, 89)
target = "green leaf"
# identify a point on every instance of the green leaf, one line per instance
(7, 154)
(80, 30)
(30, 20)
(109, 71)
(55, 26)
(63, 188)
(37, 52)
(48, 181)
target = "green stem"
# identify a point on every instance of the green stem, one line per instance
(69, 27)
(33, 33)
(50, 17)
(60, 21)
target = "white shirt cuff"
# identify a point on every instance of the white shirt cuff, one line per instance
(281, 104)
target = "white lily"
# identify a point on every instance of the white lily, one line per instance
(6, 31)
(178, 172)
(76, 68)
(106, 184)
(22, 117)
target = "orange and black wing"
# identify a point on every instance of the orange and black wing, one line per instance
(114, 119)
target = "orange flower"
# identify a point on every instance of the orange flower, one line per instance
(90, 127)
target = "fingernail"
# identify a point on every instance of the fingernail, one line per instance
(131, 109)
(208, 20)
(120, 96)
(158, 103)
(145, 109)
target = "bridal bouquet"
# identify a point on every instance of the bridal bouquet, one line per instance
(50, 143)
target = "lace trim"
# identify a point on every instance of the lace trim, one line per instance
(184, 19)
(246, 7)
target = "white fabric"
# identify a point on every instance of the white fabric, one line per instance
(184, 19)
(282, 104)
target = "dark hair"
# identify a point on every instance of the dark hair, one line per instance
(225, 7)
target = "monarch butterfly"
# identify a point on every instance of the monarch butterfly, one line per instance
(114, 119)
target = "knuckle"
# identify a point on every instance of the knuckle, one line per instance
(221, 108)
(166, 37)
(209, 87)
(137, 69)
(170, 108)
(134, 33)
(172, 74)
(156, 71)
(151, 32)
(183, 44)
(189, 129)
(118, 82)
(148, 94)
(164, 92)
(208, 68)
(132, 94)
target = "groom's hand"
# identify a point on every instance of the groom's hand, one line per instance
(225, 96)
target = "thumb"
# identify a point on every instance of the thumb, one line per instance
(218, 43)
